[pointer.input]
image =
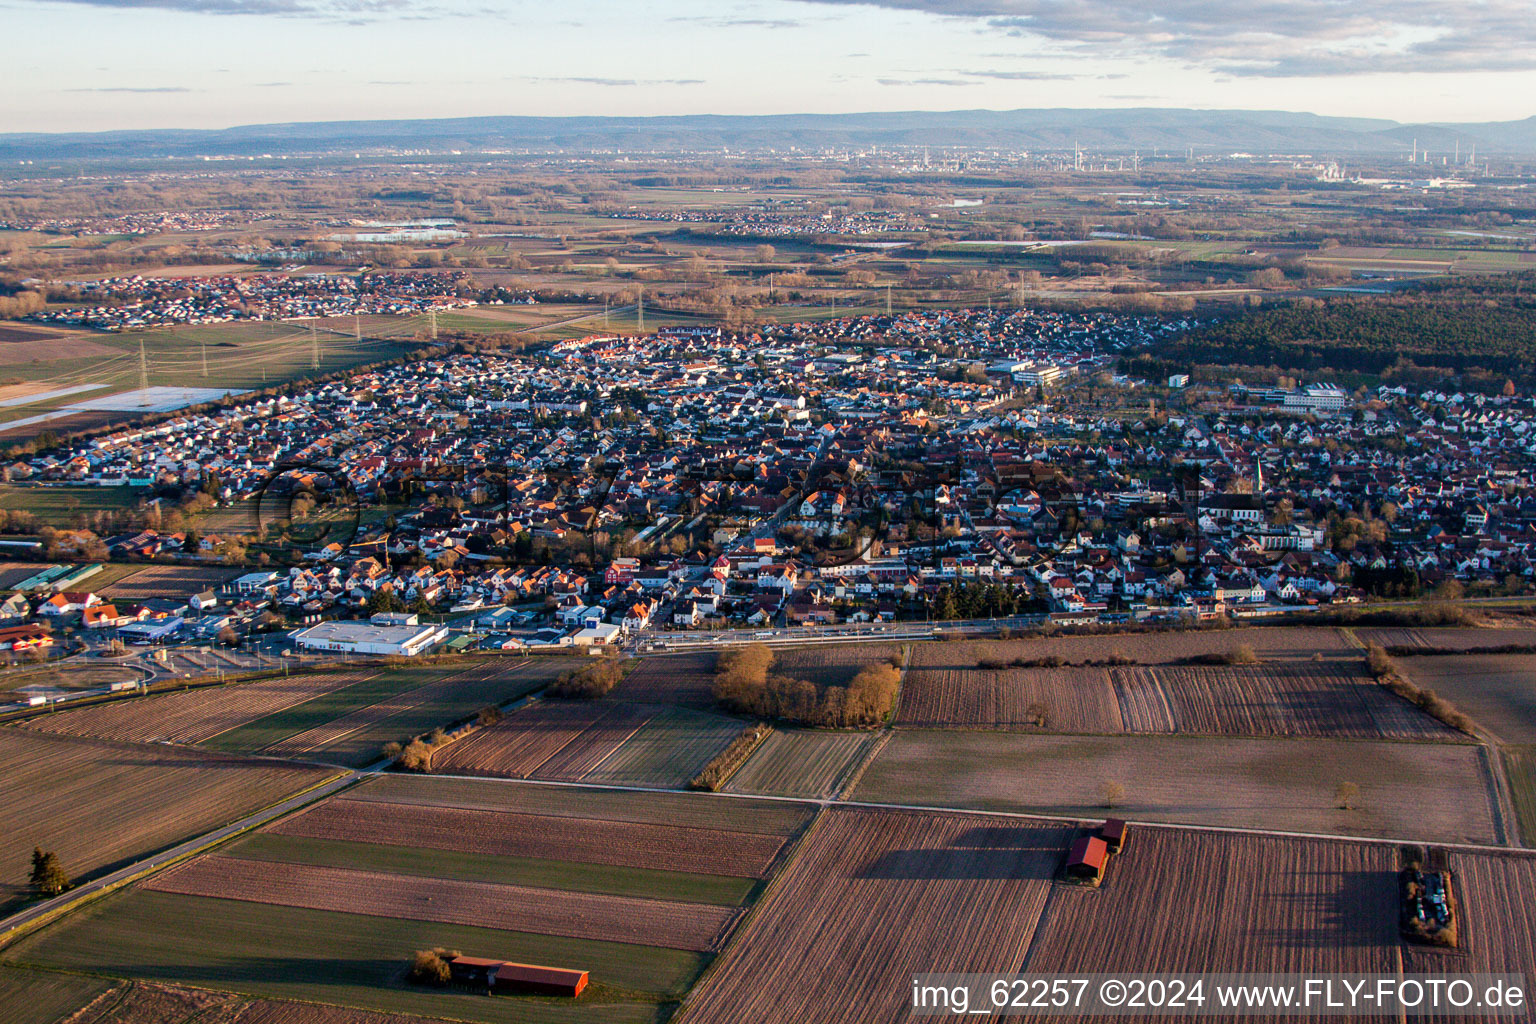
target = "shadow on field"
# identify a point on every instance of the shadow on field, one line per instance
(1360, 912)
(309, 971)
(960, 865)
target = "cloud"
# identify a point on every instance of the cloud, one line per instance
(1025, 76)
(924, 81)
(133, 88)
(345, 10)
(1276, 38)
(618, 83)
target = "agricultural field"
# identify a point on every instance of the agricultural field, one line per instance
(1437, 792)
(801, 763)
(1271, 644)
(685, 680)
(99, 804)
(667, 751)
(350, 725)
(1498, 925)
(872, 898)
(12, 573)
(267, 1011)
(1448, 638)
(512, 834)
(568, 875)
(673, 925)
(695, 810)
(138, 1002)
(1498, 691)
(240, 357)
(45, 997)
(177, 582)
(550, 739)
(831, 664)
(327, 905)
(58, 506)
(1520, 769)
(1294, 698)
(193, 716)
(356, 960)
(1264, 904)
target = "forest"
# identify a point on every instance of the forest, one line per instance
(1477, 325)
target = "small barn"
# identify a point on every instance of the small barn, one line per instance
(1114, 834)
(473, 970)
(1087, 858)
(544, 981)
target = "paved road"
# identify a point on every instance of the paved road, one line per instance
(87, 890)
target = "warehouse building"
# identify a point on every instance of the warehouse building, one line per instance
(368, 638)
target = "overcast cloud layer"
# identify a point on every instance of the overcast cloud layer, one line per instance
(1269, 37)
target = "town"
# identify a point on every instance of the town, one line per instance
(913, 468)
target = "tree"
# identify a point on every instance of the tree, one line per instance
(1112, 792)
(48, 877)
(1345, 795)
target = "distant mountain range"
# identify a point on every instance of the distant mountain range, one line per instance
(1115, 130)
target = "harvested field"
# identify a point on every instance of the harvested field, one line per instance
(173, 581)
(552, 739)
(1498, 691)
(1262, 904)
(685, 680)
(1498, 923)
(872, 898)
(695, 810)
(1437, 792)
(44, 997)
(538, 873)
(667, 751)
(694, 926)
(1448, 638)
(140, 1002)
(1294, 698)
(1068, 699)
(831, 664)
(267, 1011)
(193, 716)
(1299, 699)
(510, 834)
(801, 763)
(292, 953)
(1277, 643)
(98, 804)
(12, 573)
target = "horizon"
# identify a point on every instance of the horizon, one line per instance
(169, 64)
(703, 114)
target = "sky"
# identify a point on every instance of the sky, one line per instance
(93, 65)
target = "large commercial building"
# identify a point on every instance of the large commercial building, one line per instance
(368, 638)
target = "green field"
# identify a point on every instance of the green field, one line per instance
(801, 763)
(694, 810)
(361, 746)
(274, 728)
(346, 959)
(58, 506)
(44, 997)
(240, 357)
(491, 684)
(1520, 767)
(669, 750)
(646, 883)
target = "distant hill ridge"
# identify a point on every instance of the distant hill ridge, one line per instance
(1146, 129)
